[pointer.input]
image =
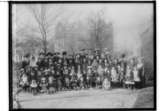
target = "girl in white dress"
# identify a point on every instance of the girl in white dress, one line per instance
(114, 76)
(136, 77)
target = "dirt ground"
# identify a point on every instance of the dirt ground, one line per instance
(92, 98)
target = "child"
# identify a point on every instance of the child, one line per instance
(59, 82)
(114, 75)
(89, 69)
(51, 84)
(32, 76)
(33, 62)
(128, 78)
(128, 74)
(106, 83)
(79, 76)
(84, 68)
(73, 82)
(106, 71)
(43, 85)
(39, 75)
(34, 86)
(24, 83)
(89, 75)
(136, 77)
(140, 68)
(72, 71)
(66, 77)
(65, 71)
(94, 64)
(94, 71)
(100, 72)
(121, 74)
(50, 63)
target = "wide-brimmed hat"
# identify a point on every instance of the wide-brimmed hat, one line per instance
(64, 53)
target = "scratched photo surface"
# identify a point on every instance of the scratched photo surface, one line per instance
(83, 55)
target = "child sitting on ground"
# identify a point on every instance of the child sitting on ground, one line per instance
(43, 85)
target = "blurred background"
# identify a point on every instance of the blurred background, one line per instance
(122, 28)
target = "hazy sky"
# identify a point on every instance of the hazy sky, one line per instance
(128, 19)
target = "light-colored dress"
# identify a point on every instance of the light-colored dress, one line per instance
(100, 70)
(136, 76)
(79, 75)
(114, 75)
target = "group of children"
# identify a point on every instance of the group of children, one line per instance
(53, 72)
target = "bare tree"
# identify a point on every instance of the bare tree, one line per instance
(41, 17)
(100, 31)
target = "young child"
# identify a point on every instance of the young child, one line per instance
(34, 86)
(24, 83)
(121, 74)
(128, 74)
(79, 76)
(94, 65)
(65, 71)
(39, 75)
(140, 68)
(73, 82)
(66, 77)
(106, 70)
(114, 75)
(84, 68)
(89, 69)
(100, 72)
(50, 63)
(89, 75)
(128, 78)
(106, 83)
(43, 85)
(33, 62)
(72, 72)
(51, 83)
(136, 77)
(59, 84)
(46, 72)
